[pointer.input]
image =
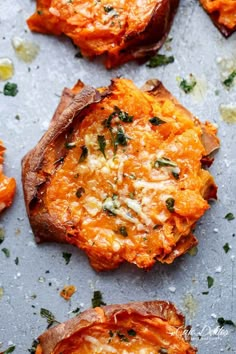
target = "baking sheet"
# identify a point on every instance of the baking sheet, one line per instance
(41, 273)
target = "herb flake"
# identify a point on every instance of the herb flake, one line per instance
(230, 79)
(226, 247)
(123, 231)
(223, 322)
(229, 216)
(10, 349)
(33, 348)
(210, 281)
(170, 204)
(102, 144)
(84, 153)
(97, 300)
(160, 60)
(80, 191)
(131, 332)
(6, 252)
(188, 85)
(164, 162)
(156, 121)
(67, 257)
(51, 320)
(10, 89)
(2, 235)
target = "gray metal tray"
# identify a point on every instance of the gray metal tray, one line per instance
(35, 282)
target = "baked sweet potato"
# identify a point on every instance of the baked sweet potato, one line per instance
(118, 174)
(123, 31)
(7, 185)
(222, 13)
(138, 328)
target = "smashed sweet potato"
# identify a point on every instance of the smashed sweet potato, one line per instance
(7, 185)
(119, 175)
(138, 328)
(122, 31)
(222, 13)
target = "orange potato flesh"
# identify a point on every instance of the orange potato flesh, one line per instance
(130, 178)
(106, 27)
(122, 331)
(7, 185)
(226, 10)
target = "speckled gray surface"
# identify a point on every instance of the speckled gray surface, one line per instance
(42, 271)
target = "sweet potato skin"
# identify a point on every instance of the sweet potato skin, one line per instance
(166, 311)
(127, 44)
(35, 170)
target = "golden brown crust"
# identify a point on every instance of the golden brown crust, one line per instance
(110, 315)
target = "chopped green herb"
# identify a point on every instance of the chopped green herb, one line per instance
(84, 153)
(78, 55)
(223, 322)
(108, 8)
(175, 173)
(159, 60)
(188, 85)
(2, 235)
(123, 231)
(102, 144)
(156, 121)
(111, 334)
(226, 247)
(157, 226)
(121, 138)
(170, 204)
(210, 281)
(163, 351)
(10, 349)
(67, 257)
(122, 337)
(33, 348)
(205, 292)
(16, 260)
(6, 252)
(193, 251)
(17, 117)
(51, 320)
(70, 145)
(39, 12)
(131, 332)
(80, 191)
(75, 311)
(229, 216)
(97, 300)
(164, 162)
(10, 89)
(229, 81)
(122, 115)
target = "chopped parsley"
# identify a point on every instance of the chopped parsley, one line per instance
(67, 257)
(230, 79)
(51, 320)
(210, 281)
(122, 115)
(70, 145)
(10, 89)
(6, 252)
(84, 153)
(226, 247)
(10, 349)
(33, 348)
(193, 251)
(164, 162)
(16, 260)
(123, 231)
(229, 216)
(121, 138)
(159, 60)
(188, 85)
(97, 300)
(78, 55)
(39, 12)
(122, 337)
(156, 121)
(131, 332)
(80, 191)
(175, 172)
(102, 144)
(111, 334)
(108, 8)
(223, 322)
(2, 235)
(75, 311)
(170, 204)
(163, 351)
(205, 292)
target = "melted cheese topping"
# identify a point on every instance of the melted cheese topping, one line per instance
(226, 10)
(114, 203)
